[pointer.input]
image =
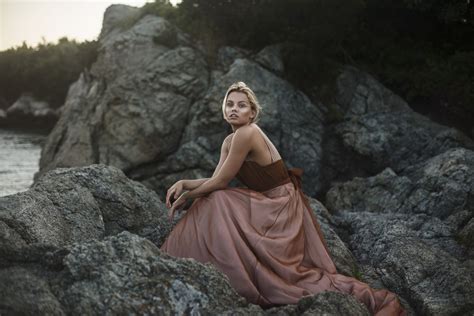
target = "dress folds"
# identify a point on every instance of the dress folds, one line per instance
(268, 242)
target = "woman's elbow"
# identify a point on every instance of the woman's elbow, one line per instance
(221, 184)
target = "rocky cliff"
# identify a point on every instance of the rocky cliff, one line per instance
(395, 190)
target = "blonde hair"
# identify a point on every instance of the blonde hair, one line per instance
(254, 105)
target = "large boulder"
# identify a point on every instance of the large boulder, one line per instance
(327, 303)
(119, 274)
(341, 255)
(414, 230)
(377, 129)
(131, 107)
(76, 205)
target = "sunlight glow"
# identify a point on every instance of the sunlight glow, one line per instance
(36, 21)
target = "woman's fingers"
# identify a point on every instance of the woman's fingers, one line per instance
(177, 193)
(168, 196)
(177, 204)
(171, 214)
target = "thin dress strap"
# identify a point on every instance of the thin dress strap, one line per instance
(266, 140)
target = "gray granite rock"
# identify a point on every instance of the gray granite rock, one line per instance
(25, 293)
(128, 274)
(226, 56)
(79, 204)
(325, 303)
(121, 274)
(342, 257)
(271, 58)
(377, 129)
(414, 230)
(132, 106)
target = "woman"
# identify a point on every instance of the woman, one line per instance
(265, 237)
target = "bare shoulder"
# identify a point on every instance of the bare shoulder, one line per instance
(228, 140)
(246, 131)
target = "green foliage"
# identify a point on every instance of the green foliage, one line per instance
(46, 70)
(421, 49)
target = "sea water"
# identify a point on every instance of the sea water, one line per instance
(19, 159)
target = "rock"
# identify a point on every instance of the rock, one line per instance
(440, 187)
(271, 58)
(466, 235)
(77, 205)
(379, 130)
(132, 107)
(27, 112)
(125, 273)
(120, 274)
(325, 303)
(24, 293)
(414, 229)
(226, 56)
(342, 257)
(411, 267)
(382, 192)
(117, 15)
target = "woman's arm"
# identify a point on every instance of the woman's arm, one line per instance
(230, 165)
(188, 185)
(193, 184)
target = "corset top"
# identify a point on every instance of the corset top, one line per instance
(263, 178)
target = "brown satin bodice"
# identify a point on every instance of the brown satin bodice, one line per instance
(263, 178)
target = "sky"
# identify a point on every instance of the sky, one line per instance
(33, 20)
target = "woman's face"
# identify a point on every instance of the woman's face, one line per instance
(238, 110)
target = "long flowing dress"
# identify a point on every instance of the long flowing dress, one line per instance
(267, 240)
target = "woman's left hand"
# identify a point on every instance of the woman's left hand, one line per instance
(177, 203)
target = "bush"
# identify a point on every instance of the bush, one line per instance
(46, 70)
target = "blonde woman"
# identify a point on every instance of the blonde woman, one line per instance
(264, 237)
